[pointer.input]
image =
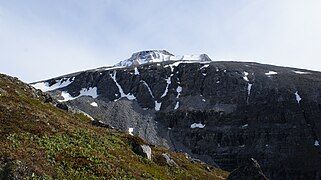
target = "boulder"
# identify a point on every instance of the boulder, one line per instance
(62, 106)
(144, 151)
(169, 160)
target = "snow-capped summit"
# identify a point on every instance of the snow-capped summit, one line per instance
(150, 56)
(143, 57)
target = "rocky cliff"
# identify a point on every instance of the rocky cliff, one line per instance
(220, 112)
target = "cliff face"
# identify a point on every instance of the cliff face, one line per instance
(220, 112)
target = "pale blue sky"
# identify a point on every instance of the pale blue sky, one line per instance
(40, 39)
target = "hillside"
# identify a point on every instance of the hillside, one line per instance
(40, 141)
(221, 112)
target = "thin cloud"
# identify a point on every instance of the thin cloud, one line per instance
(42, 39)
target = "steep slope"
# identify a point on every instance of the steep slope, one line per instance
(40, 141)
(220, 112)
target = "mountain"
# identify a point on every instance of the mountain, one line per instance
(153, 56)
(222, 113)
(40, 141)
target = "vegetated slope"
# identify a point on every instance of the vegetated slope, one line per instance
(220, 112)
(38, 140)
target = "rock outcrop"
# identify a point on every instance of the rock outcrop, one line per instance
(144, 150)
(169, 161)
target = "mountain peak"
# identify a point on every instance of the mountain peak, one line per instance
(150, 56)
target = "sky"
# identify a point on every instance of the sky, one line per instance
(41, 39)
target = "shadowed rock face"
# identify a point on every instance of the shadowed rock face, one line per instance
(251, 170)
(220, 112)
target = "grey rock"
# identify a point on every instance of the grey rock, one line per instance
(62, 106)
(169, 160)
(147, 151)
(144, 151)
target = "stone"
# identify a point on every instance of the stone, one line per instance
(144, 151)
(169, 160)
(62, 106)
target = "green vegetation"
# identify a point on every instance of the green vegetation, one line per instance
(39, 141)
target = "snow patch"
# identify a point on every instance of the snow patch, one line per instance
(193, 57)
(112, 68)
(249, 87)
(245, 126)
(205, 66)
(271, 73)
(94, 104)
(245, 76)
(157, 106)
(176, 106)
(150, 91)
(130, 131)
(197, 125)
(66, 96)
(297, 97)
(136, 71)
(91, 91)
(176, 63)
(129, 96)
(179, 90)
(301, 72)
(168, 80)
(44, 86)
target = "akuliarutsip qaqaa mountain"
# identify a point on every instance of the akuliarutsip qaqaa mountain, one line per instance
(220, 112)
